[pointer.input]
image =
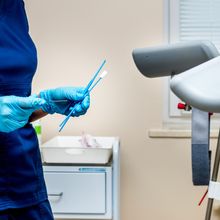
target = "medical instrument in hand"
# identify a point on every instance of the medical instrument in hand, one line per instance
(85, 92)
(90, 89)
(94, 77)
(71, 93)
(87, 89)
(194, 69)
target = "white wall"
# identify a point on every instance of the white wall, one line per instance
(73, 37)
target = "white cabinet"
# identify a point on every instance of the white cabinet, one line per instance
(76, 191)
(85, 191)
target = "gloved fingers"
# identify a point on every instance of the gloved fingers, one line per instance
(11, 125)
(79, 109)
(84, 105)
(8, 126)
(86, 102)
(80, 113)
(20, 119)
(75, 93)
(75, 109)
(13, 115)
(17, 106)
(69, 93)
(77, 114)
(30, 103)
(72, 94)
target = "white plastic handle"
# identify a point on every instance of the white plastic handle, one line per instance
(74, 151)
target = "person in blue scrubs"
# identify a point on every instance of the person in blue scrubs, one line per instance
(23, 194)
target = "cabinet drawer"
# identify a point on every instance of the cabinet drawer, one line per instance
(76, 193)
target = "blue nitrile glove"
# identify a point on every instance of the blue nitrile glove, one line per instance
(75, 97)
(15, 111)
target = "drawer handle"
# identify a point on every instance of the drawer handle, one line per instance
(55, 194)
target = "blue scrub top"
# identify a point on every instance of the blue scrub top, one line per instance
(21, 177)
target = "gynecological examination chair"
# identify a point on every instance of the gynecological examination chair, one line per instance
(194, 68)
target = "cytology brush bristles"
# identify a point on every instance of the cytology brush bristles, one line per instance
(100, 78)
(71, 112)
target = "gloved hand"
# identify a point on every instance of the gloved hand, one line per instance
(15, 111)
(75, 97)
